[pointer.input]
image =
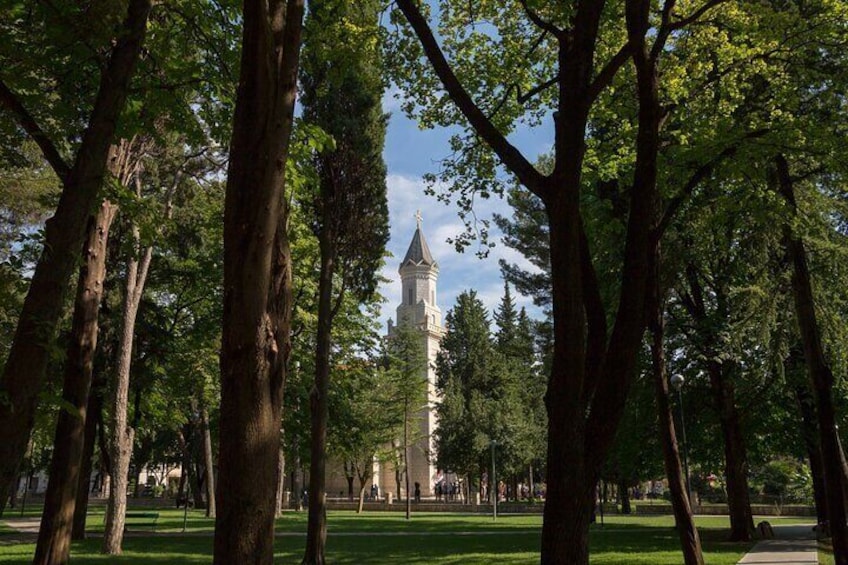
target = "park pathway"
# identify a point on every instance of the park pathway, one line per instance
(791, 544)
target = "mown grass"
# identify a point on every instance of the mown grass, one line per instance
(429, 538)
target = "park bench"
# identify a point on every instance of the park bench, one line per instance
(141, 519)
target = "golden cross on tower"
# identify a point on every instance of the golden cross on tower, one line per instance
(418, 218)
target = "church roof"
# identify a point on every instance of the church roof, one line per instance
(418, 252)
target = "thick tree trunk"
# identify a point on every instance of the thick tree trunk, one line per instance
(208, 463)
(54, 535)
(690, 541)
(257, 284)
(316, 532)
(810, 435)
(121, 434)
(24, 371)
(724, 403)
(85, 486)
(821, 377)
(735, 453)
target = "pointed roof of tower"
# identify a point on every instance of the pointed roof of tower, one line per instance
(418, 252)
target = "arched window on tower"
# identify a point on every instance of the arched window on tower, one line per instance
(409, 296)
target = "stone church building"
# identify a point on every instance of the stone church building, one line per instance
(419, 274)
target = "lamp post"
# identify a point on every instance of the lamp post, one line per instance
(494, 487)
(677, 382)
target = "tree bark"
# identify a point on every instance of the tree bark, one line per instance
(735, 454)
(257, 283)
(810, 435)
(121, 434)
(820, 374)
(54, 535)
(281, 483)
(208, 462)
(690, 541)
(84, 481)
(316, 532)
(361, 505)
(24, 371)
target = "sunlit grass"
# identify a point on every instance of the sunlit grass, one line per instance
(428, 538)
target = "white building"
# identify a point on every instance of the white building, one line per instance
(419, 273)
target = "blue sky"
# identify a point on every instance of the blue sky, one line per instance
(409, 154)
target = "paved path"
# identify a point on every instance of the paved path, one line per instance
(792, 544)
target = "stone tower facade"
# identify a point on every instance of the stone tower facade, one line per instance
(419, 274)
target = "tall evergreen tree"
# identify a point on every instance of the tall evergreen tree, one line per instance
(466, 379)
(342, 91)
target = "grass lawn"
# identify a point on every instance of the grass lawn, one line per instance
(429, 538)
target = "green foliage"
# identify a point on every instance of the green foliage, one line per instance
(406, 382)
(785, 479)
(491, 390)
(341, 94)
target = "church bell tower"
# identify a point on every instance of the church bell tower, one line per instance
(419, 273)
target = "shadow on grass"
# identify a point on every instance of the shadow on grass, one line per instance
(429, 538)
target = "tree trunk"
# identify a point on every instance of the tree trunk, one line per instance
(316, 532)
(24, 371)
(624, 496)
(120, 432)
(735, 454)
(820, 375)
(208, 463)
(257, 284)
(690, 541)
(54, 535)
(406, 458)
(197, 481)
(810, 435)
(281, 483)
(361, 505)
(724, 403)
(398, 470)
(296, 482)
(182, 489)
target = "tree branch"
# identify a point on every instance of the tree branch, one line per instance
(596, 319)
(539, 22)
(609, 71)
(509, 154)
(709, 5)
(13, 104)
(698, 176)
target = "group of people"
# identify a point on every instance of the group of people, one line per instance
(447, 490)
